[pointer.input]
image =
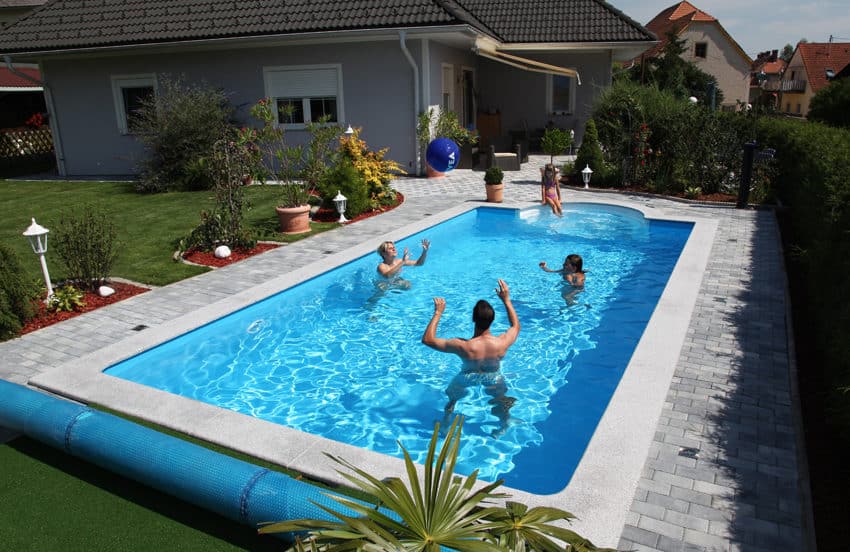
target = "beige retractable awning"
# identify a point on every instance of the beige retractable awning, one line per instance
(525, 63)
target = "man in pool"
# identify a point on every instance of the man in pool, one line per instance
(391, 265)
(481, 354)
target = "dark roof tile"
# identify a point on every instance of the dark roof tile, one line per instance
(61, 24)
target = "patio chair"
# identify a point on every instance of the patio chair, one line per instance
(503, 155)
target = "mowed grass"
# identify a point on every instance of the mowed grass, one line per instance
(149, 225)
(52, 501)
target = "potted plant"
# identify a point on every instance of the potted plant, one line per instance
(443, 124)
(493, 184)
(297, 170)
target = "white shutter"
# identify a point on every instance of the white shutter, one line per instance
(302, 82)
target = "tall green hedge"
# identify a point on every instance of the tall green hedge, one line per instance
(18, 294)
(814, 183)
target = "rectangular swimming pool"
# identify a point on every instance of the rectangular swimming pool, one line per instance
(340, 355)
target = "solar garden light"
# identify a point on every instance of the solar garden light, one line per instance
(37, 236)
(340, 202)
(349, 131)
(585, 175)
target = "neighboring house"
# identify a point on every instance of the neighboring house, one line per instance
(373, 64)
(20, 88)
(708, 46)
(812, 67)
(766, 80)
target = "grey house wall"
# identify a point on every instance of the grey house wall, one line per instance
(377, 96)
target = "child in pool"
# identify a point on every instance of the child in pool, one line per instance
(550, 191)
(572, 271)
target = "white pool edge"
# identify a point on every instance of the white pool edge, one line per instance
(603, 485)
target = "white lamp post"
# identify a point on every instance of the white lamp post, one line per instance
(585, 175)
(340, 202)
(37, 236)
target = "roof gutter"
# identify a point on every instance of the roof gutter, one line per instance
(402, 35)
(51, 109)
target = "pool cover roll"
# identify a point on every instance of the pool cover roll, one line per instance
(232, 488)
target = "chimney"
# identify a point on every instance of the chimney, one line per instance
(773, 55)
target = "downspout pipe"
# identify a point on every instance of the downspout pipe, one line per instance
(402, 35)
(51, 109)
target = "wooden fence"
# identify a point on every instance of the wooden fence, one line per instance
(25, 150)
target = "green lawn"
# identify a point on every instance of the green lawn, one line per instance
(149, 225)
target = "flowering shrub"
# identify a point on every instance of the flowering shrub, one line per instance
(376, 171)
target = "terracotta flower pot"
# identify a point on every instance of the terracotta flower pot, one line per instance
(432, 173)
(294, 220)
(494, 192)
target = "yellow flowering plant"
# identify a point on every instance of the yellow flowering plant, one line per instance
(376, 171)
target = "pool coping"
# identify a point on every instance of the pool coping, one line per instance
(603, 485)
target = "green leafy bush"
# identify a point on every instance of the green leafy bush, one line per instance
(346, 179)
(66, 298)
(179, 125)
(493, 175)
(86, 243)
(18, 294)
(590, 153)
(831, 105)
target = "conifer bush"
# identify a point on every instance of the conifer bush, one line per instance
(18, 294)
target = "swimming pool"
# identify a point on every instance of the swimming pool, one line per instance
(562, 371)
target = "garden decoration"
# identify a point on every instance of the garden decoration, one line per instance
(37, 236)
(443, 154)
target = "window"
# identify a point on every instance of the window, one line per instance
(305, 93)
(798, 109)
(561, 95)
(788, 107)
(128, 94)
(701, 50)
(447, 98)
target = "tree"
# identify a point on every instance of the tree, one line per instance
(787, 53)
(590, 152)
(831, 105)
(671, 73)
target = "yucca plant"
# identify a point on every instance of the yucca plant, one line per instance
(443, 511)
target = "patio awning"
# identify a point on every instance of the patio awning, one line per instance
(523, 63)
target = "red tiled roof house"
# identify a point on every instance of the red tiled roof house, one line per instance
(809, 71)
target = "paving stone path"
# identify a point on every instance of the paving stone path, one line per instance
(724, 470)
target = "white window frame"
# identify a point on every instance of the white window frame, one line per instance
(550, 96)
(119, 83)
(447, 95)
(275, 93)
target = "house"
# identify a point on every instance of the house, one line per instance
(20, 89)
(708, 46)
(373, 64)
(766, 79)
(812, 67)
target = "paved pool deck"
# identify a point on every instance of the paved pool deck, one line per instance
(724, 470)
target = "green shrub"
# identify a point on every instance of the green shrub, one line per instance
(18, 294)
(178, 126)
(344, 178)
(493, 175)
(831, 105)
(590, 153)
(86, 243)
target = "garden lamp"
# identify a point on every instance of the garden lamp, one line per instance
(349, 131)
(340, 203)
(585, 175)
(37, 236)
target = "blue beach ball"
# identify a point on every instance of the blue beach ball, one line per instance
(442, 154)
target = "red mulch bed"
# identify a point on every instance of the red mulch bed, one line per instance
(207, 258)
(92, 301)
(330, 215)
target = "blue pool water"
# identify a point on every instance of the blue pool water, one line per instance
(339, 356)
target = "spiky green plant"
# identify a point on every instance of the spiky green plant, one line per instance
(442, 511)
